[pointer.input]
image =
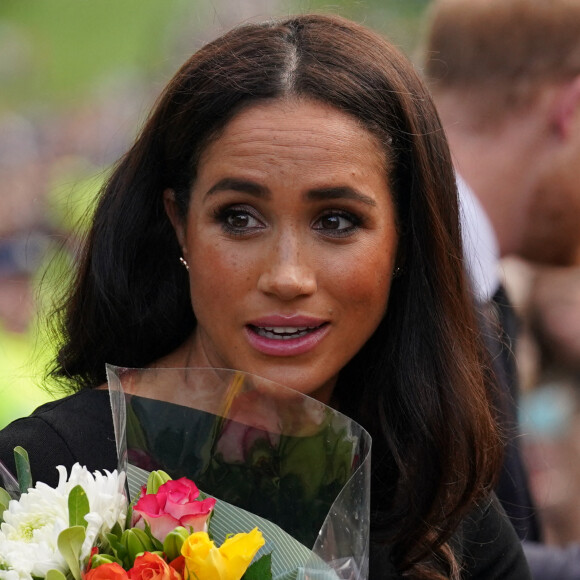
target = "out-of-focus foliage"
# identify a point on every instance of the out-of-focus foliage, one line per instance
(399, 20)
(54, 52)
(74, 77)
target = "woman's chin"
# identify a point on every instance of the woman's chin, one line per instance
(296, 380)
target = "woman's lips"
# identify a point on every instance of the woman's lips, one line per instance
(286, 337)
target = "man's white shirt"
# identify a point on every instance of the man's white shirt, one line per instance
(480, 244)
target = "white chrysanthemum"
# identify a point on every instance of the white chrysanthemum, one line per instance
(9, 575)
(107, 503)
(29, 534)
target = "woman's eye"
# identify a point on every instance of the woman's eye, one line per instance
(237, 220)
(337, 223)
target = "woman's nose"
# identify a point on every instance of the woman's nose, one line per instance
(287, 273)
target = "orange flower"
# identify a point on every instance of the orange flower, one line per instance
(150, 566)
(179, 565)
(110, 571)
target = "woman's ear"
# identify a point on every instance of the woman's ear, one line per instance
(174, 215)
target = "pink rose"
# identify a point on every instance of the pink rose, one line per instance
(175, 504)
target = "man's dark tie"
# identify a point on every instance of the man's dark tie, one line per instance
(500, 330)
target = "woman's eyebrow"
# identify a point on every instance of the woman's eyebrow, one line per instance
(318, 194)
(242, 185)
(340, 192)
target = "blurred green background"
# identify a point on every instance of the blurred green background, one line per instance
(76, 79)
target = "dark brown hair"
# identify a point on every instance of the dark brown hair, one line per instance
(501, 52)
(417, 385)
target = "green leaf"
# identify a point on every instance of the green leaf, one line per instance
(114, 535)
(260, 570)
(136, 541)
(174, 542)
(100, 559)
(117, 530)
(4, 501)
(55, 575)
(70, 543)
(156, 479)
(22, 469)
(78, 507)
(117, 547)
(129, 517)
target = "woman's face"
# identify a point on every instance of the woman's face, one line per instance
(291, 241)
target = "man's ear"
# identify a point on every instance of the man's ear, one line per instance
(566, 111)
(175, 217)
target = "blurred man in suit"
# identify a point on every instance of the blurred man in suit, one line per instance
(505, 75)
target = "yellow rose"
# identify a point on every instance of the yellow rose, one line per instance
(200, 553)
(239, 551)
(228, 562)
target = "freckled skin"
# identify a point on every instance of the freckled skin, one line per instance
(288, 262)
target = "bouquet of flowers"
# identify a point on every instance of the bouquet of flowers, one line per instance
(284, 486)
(84, 529)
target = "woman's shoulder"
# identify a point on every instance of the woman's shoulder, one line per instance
(485, 544)
(66, 413)
(489, 545)
(77, 428)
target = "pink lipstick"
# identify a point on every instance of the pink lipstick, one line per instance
(279, 335)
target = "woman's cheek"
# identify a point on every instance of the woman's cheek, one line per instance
(219, 272)
(363, 279)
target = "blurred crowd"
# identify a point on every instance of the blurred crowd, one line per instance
(547, 300)
(52, 163)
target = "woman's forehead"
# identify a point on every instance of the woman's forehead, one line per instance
(318, 129)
